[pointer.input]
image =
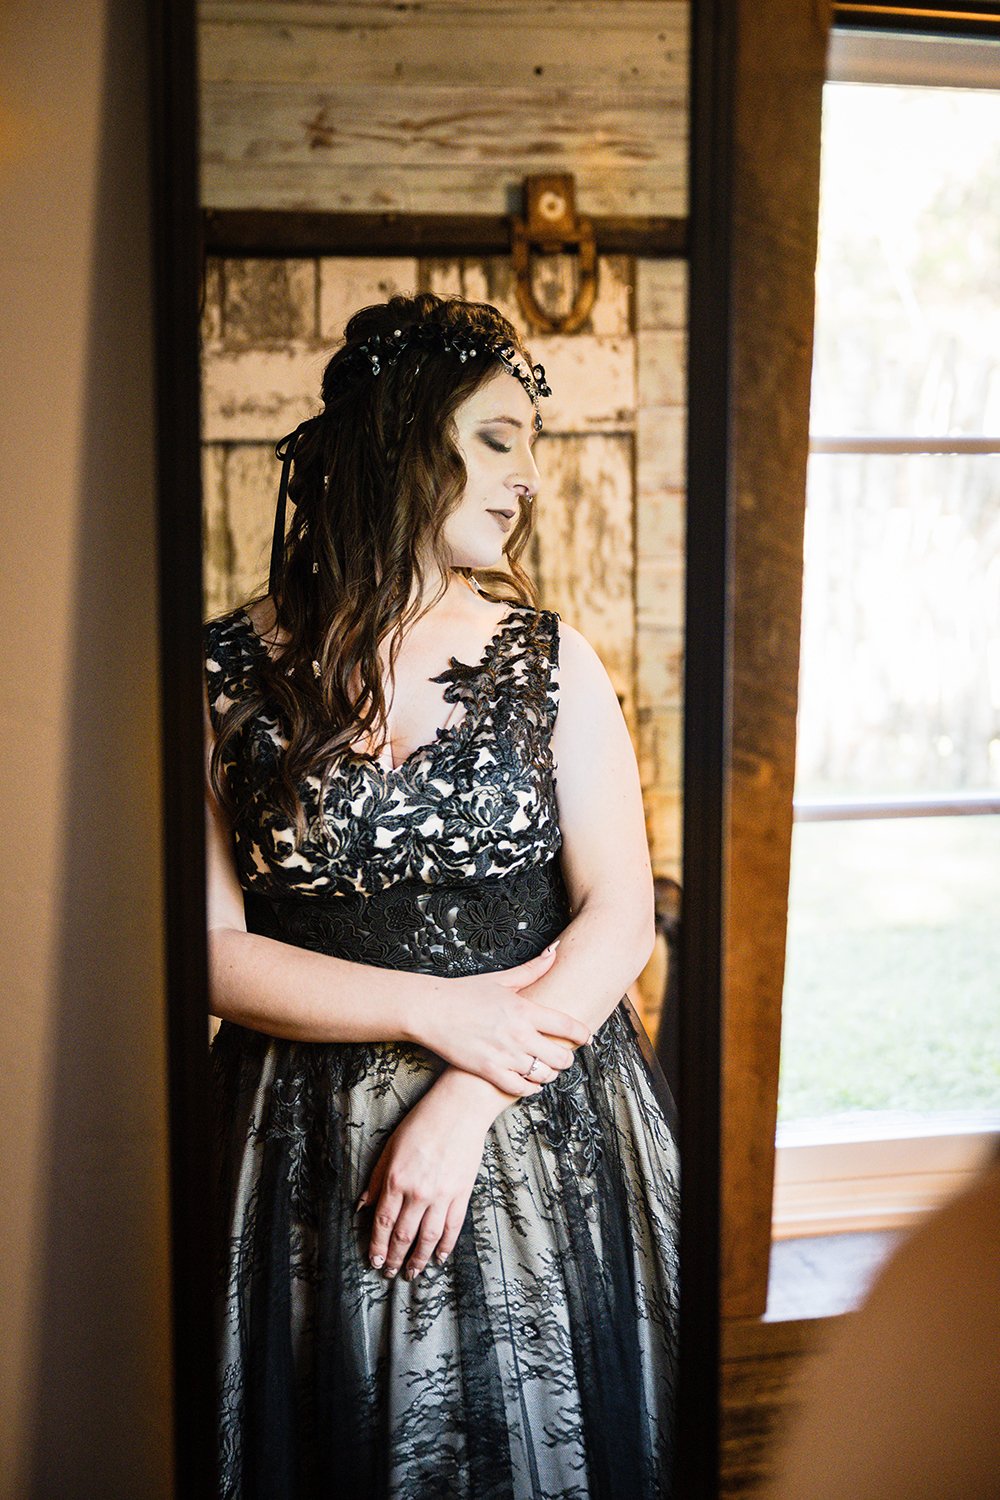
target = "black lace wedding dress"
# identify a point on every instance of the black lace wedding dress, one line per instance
(540, 1360)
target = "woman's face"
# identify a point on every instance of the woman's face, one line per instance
(496, 431)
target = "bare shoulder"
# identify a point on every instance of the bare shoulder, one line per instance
(588, 712)
(261, 614)
(580, 668)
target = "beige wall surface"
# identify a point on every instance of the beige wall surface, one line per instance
(84, 1355)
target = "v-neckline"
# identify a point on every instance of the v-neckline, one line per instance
(454, 669)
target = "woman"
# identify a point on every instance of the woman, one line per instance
(448, 1178)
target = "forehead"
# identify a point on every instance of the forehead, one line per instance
(501, 395)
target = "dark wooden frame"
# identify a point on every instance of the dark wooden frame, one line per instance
(707, 676)
(261, 232)
(181, 235)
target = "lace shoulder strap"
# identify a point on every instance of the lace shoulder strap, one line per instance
(230, 655)
(528, 672)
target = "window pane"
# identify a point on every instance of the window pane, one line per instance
(891, 971)
(908, 278)
(899, 682)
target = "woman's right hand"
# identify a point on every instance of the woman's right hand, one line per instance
(482, 1024)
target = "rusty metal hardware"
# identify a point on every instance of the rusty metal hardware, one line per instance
(551, 225)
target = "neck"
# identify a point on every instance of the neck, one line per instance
(457, 591)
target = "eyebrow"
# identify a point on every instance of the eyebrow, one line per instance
(510, 421)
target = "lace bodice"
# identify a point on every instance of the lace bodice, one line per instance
(478, 801)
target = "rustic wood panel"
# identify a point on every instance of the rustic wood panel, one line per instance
(661, 316)
(414, 109)
(431, 124)
(661, 373)
(660, 448)
(241, 483)
(398, 188)
(661, 294)
(267, 302)
(251, 395)
(616, 48)
(217, 542)
(346, 284)
(776, 178)
(582, 546)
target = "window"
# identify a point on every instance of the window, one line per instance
(890, 1069)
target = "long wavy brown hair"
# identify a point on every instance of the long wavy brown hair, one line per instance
(372, 483)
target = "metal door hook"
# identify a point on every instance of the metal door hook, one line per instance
(551, 225)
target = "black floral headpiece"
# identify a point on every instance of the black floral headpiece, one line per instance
(378, 352)
(381, 350)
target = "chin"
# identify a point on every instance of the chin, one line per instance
(481, 559)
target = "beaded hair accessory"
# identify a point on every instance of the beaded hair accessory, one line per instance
(379, 352)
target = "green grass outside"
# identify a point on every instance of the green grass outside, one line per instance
(892, 980)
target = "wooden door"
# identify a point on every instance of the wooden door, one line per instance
(608, 547)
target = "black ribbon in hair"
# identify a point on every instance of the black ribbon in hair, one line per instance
(285, 450)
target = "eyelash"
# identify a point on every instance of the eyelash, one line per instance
(492, 443)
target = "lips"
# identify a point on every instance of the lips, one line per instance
(503, 518)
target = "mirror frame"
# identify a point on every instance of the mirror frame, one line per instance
(176, 226)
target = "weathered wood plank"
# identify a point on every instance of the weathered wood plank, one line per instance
(660, 449)
(252, 474)
(660, 523)
(660, 670)
(267, 302)
(255, 395)
(662, 368)
(347, 283)
(581, 548)
(521, 13)
(433, 125)
(322, 185)
(216, 541)
(618, 47)
(211, 300)
(660, 294)
(659, 592)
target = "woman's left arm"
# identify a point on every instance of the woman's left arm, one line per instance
(605, 854)
(606, 867)
(605, 862)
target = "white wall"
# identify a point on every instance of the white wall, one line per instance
(84, 1357)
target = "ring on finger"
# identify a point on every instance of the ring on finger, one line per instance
(530, 1075)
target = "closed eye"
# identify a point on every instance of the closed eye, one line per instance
(492, 443)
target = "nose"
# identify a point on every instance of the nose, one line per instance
(527, 479)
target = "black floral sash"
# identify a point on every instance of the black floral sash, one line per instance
(471, 926)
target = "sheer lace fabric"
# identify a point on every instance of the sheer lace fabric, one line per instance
(540, 1360)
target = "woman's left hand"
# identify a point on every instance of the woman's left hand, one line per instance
(421, 1185)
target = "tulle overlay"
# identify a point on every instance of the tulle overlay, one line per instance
(540, 1360)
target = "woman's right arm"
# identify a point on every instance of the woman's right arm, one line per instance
(480, 1024)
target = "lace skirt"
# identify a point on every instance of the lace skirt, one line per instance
(540, 1359)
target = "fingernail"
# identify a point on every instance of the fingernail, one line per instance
(390, 1272)
(441, 1258)
(411, 1274)
(377, 1261)
(553, 946)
